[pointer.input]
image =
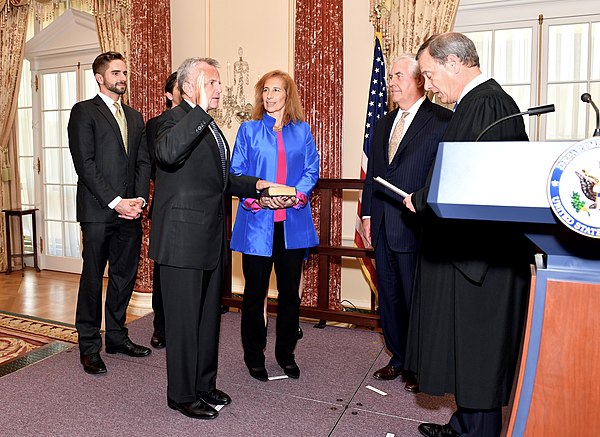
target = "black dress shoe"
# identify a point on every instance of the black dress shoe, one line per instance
(388, 373)
(291, 370)
(93, 364)
(300, 333)
(259, 373)
(215, 397)
(435, 430)
(129, 348)
(158, 340)
(196, 410)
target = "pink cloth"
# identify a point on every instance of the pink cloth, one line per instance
(281, 177)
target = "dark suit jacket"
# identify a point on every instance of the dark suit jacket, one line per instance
(104, 169)
(188, 221)
(152, 127)
(408, 171)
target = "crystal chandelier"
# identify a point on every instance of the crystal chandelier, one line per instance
(234, 105)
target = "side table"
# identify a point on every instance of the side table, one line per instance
(19, 213)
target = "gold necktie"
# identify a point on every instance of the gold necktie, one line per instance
(122, 124)
(396, 136)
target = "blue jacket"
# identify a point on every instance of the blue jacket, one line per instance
(255, 154)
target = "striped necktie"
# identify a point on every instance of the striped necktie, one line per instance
(122, 124)
(221, 144)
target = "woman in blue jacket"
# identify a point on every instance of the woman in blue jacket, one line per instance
(276, 145)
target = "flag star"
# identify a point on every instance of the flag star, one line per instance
(380, 94)
(373, 92)
(374, 81)
(370, 114)
(366, 136)
(368, 125)
(378, 59)
(371, 103)
(377, 116)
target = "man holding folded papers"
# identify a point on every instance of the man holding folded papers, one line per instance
(403, 150)
(277, 229)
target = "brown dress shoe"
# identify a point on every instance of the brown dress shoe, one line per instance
(410, 380)
(388, 373)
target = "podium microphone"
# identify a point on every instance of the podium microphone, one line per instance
(585, 97)
(536, 110)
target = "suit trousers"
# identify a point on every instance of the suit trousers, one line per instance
(395, 276)
(257, 271)
(192, 302)
(477, 423)
(157, 301)
(117, 243)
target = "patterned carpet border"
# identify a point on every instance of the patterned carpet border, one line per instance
(33, 325)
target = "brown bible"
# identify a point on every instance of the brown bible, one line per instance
(279, 190)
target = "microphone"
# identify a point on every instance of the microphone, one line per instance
(585, 97)
(536, 110)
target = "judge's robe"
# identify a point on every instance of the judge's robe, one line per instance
(472, 281)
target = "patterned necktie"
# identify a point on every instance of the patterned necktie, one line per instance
(221, 144)
(122, 124)
(396, 136)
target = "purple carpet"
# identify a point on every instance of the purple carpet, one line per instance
(54, 397)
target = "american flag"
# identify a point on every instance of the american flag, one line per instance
(376, 109)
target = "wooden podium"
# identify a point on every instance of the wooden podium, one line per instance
(557, 389)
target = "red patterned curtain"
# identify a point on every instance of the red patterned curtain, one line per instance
(319, 74)
(150, 61)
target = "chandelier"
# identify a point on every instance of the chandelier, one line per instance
(234, 104)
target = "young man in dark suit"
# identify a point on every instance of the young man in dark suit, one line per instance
(188, 236)
(110, 155)
(404, 148)
(172, 98)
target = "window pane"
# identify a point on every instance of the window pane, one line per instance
(69, 174)
(522, 96)
(68, 89)
(512, 57)
(54, 244)
(90, 84)
(50, 94)
(26, 180)
(52, 166)
(595, 92)
(69, 212)
(64, 122)
(27, 233)
(72, 240)
(568, 123)
(483, 43)
(53, 202)
(51, 129)
(25, 132)
(567, 52)
(25, 90)
(595, 50)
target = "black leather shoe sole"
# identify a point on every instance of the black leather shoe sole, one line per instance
(94, 367)
(205, 412)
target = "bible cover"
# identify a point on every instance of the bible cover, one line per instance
(280, 190)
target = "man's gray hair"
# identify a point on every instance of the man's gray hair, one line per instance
(186, 67)
(452, 43)
(414, 65)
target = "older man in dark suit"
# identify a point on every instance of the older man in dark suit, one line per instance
(188, 236)
(404, 148)
(109, 152)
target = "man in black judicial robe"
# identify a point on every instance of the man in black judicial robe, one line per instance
(471, 290)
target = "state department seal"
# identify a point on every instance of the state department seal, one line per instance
(574, 187)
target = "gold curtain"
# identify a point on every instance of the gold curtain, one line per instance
(319, 73)
(113, 21)
(13, 27)
(413, 21)
(150, 61)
